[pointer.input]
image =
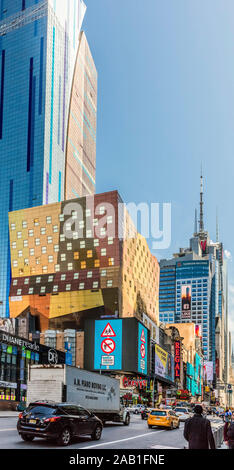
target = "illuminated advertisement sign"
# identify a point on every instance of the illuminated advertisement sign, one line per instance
(177, 359)
(208, 371)
(186, 302)
(108, 344)
(164, 363)
(142, 348)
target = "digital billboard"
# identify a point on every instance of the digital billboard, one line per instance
(108, 344)
(142, 349)
(186, 302)
(164, 363)
(208, 371)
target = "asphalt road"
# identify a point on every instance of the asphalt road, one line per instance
(114, 436)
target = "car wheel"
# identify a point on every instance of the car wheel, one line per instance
(27, 437)
(178, 425)
(127, 420)
(171, 426)
(96, 435)
(65, 437)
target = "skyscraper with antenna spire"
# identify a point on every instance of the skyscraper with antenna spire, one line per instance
(201, 269)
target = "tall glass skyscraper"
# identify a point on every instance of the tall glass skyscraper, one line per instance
(48, 100)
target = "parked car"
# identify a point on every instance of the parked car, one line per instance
(58, 421)
(183, 413)
(165, 418)
(145, 413)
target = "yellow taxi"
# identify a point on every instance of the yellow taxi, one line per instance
(165, 418)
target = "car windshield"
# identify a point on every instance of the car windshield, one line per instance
(158, 413)
(41, 410)
(182, 410)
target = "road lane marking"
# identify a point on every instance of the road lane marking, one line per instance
(122, 440)
(8, 429)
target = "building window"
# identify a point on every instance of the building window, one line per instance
(56, 248)
(110, 240)
(103, 231)
(25, 243)
(50, 278)
(49, 240)
(96, 242)
(89, 274)
(109, 283)
(43, 250)
(111, 262)
(38, 280)
(61, 217)
(81, 285)
(38, 260)
(12, 226)
(15, 282)
(69, 246)
(76, 255)
(109, 219)
(31, 252)
(26, 262)
(89, 254)
(37, 241)
(57, 268)
(62, 238)
(55, 228)
(83, 264)
(103, 272)
(13, 245)
(43, 231)
(75, 235)
(82, 244)
(19, 234)
(81, 224)
(88, 212)
(70, 266)
(89, 233)
(95, 285)
(20, 253)
(36, 222)
(63, 277)
(63, 257)
(50, 259)
(74, 215)
(97, 263)
(95, 222)
(43, 289)
(102, 210)
(30, 290)
(19, 291)
(103, 252)
(68, 286)
(48, 220)
(24, 224)
(55, 288)
(76, 276)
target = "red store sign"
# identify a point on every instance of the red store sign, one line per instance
(134, 382)
(177, 359)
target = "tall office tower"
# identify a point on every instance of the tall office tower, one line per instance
(193, 288)
(48, 94)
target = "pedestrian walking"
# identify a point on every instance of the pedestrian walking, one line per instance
(228, 433)
(198, 432)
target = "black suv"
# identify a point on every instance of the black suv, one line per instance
(57, 421)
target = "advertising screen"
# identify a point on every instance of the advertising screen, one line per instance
(142, 349)
(186, 302)
(164, 363)
(208, 371)
(108, 344)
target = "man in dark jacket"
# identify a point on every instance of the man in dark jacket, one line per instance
(197, 431)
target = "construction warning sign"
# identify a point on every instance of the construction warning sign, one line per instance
(108, 331)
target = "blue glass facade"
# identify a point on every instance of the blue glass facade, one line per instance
(199, 277)
(38, 47)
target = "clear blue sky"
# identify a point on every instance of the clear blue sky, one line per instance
(166, 104)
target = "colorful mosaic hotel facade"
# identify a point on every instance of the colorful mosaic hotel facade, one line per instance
(48, 105)
(78, 259)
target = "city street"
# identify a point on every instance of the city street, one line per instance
(135, 436)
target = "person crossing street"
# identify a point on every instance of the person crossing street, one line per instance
(198, 432)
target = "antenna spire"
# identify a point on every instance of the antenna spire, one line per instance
(201, 223)
(217, 225)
